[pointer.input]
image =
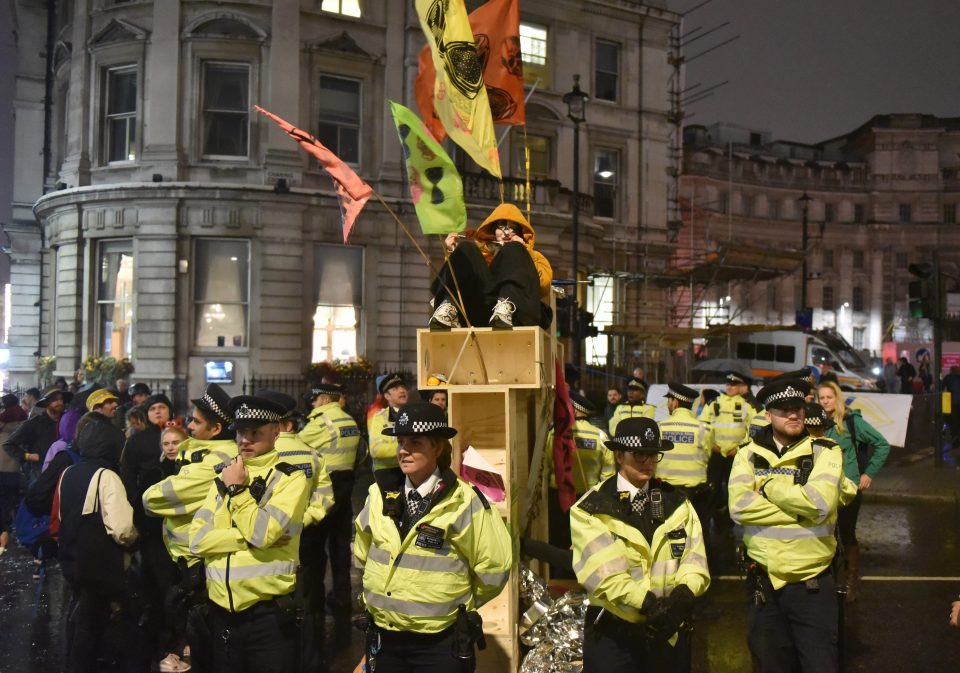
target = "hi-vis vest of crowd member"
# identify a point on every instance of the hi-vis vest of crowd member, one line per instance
(298, 454)
(686, 464)
(592, 462)
(178, 497)
(728, 418)
(459, 552)
(787, 502)
(333, 433)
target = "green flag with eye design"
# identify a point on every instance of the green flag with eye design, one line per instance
(435, 184)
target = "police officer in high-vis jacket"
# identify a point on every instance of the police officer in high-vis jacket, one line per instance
(638, 551)
(177, 499)
(334, 435)
(432, 550)
(729, 417)
(784, 490)
(383, 447)
(248, 533)
(685, 467)
(592, 463)
(635, 406)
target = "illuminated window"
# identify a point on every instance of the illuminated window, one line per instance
(606, 168)
(533, 47)
(345, 7)
(120, 115)
(115, 299)
(221, 292)
(338, 281)
(600, 302)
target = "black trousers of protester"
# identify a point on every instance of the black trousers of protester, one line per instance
(611, 644)
(310, 592)
(88, 618)
(511, 275)
(187, 615)
(847, 521)
(256, 640)
(795, 630)
(407, 652)
(558, 523)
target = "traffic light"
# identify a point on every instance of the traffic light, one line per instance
(587, 328)
(920, 293)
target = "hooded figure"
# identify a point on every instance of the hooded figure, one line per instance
(498, 274)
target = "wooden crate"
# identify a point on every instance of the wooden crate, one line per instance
(520, 357)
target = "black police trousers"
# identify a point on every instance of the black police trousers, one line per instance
(611, 644)
(260, 639)
(511, 275)
(795, 628)
(408, 652)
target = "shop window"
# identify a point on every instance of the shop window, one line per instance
(338, 277)
(115, 298)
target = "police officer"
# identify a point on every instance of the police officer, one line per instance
(634, 407)
(177, 499)
(383, 447)
(729, 416)
(784, 490)
(333, 434)
(293, 450)
(638, 551)
(685, 467)
(592, 463)
(248, 533)
(432, 550)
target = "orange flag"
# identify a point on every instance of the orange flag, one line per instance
(496, 32)
(352, 192)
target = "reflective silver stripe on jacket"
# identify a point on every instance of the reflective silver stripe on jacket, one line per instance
(605, 570)
(782, 533)
(412, 608)
(272, 569)
(166, 488)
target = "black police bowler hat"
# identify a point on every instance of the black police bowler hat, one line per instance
(816, 416)
(581, 404)
(640, 435)
(420, 418)
(216, 401)
(250, 411)
(806, 374)
(682, 393)
(784, 394)
(324, 388)
(288, 403)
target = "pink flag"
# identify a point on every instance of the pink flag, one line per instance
(352, 192)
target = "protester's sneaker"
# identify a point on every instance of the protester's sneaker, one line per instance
(171, 664)
(502, 317)
(445, 317)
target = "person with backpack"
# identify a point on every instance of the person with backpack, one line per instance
(95, 531)
(10, 419)
(865, 451)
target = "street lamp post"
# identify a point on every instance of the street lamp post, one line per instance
(576, 101)
(804, 201)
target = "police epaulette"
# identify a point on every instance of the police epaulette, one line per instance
(825, 442)
(197, 456)
(286, 468)
(483, 498)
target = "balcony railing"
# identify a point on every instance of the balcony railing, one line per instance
(483, 188)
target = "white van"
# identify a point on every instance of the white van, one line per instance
(774, 351)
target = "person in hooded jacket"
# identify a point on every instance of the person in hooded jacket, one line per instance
(501, 279)
(10, 419)
(96, 529)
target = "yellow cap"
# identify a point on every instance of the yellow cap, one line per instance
(98, 397)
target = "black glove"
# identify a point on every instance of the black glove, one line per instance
(670, 613)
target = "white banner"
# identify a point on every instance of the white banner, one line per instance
(889, 414)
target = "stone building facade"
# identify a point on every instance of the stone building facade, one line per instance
(157, 217)
(882, 197)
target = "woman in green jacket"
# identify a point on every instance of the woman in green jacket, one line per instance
(855, 436)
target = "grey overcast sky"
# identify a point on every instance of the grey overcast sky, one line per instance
(809, 70)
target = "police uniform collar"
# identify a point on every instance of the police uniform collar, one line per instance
(263, 460)
(624, 485)
(428, 486)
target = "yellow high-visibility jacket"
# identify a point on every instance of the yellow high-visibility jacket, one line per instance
(728, 417)
(685, 464)
(788, 528)
(302, 457)
(758, 421)
(460, 552)
(592, 461)
(178, 497)
(332, 433)
(619, 557)
(628, 410)
(383, 449)
(240, 538)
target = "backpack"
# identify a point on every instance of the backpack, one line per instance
(864, 451)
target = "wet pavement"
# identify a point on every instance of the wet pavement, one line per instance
(911, 563)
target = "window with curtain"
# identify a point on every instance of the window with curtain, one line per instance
(607, 68)
(344, 7)
(533, 48)
(606, 169)
(600, 302)
(120, 114)
(226, 109)
(221, 292)
(115, 298)
(539, 156)
(339, 128)
(338, 275)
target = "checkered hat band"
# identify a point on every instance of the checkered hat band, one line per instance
(682, 398)
(245, 413)
(215, 408)
(632, 442)
(815, 421)
(788, 393)
(579, 407)
(424, 426)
